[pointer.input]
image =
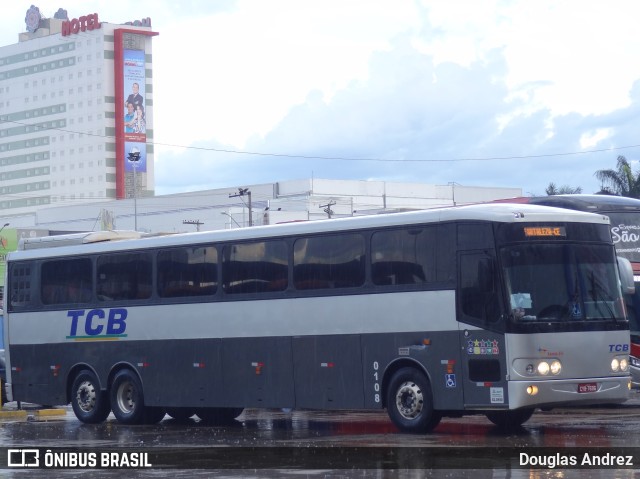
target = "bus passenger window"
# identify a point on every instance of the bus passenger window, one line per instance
(407, 256)
(334, 261)
(124, 276)
(66, 281)
(260, 267)
(190, 271)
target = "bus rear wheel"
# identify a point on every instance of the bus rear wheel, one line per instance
(510, 420)
(219, 415)
(410, 402)
(127, 399)
(90, 404)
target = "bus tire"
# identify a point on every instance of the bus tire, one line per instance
(219, 415)
(180, 413)
(510, 420)
(410, 402)
(90, 404)
(127, 398)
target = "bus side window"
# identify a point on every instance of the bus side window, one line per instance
(66, 280)
(257, 267)
(329, 262)
(124, 276)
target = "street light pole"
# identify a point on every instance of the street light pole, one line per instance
(232, 218)
(242, 192)
(134, 157)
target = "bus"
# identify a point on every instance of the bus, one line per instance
(482, 309)
(624, 214)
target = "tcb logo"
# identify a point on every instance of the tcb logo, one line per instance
(98, 322)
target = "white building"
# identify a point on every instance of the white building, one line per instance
(62, 112)
(309, 199)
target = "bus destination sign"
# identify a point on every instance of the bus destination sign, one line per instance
(538, 231)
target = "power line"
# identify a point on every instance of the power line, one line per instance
(342, 158)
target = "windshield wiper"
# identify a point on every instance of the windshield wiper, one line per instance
(600, 296)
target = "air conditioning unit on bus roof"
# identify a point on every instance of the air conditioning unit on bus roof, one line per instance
(77, 239)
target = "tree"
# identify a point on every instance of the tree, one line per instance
(622, 181)
(552, 189)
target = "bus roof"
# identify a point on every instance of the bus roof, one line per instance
(593, 203)
(76, 239)
(85, 243)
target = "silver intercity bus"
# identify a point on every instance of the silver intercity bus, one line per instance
(624, 214)
(495, 309)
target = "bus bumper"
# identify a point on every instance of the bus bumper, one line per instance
(568, 392)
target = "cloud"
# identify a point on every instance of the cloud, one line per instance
(411, 107)
(437, 109)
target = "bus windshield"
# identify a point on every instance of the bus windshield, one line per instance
(562, 282)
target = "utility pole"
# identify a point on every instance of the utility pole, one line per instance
(134, 158)
(193, 222)
(242, 192)
(327, 208)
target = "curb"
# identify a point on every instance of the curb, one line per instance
(49, 412)
(31, 413)
(21, 414)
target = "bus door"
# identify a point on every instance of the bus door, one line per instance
(481, 325)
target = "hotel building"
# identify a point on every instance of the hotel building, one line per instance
(66, 134)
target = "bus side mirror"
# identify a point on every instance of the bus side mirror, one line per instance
(626, 276)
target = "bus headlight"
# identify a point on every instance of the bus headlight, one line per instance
(543, 368)
(624, 364)
(556, 367)
(620, 364)
(538, 367)
(615, 365)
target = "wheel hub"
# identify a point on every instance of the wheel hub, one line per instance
(86, 396)
(409, 400)
(126, 401)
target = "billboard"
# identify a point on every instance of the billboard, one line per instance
(130, 75)
(135, 121)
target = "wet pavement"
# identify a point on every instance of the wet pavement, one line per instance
(346, 444)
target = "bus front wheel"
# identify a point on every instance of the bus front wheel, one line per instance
(90, 404)
(127, 399)
(410, 402)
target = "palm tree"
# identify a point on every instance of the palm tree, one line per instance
(621, 181)
(552, 189)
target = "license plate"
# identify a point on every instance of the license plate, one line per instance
(587, 388)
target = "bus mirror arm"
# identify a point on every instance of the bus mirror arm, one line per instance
(626, 276)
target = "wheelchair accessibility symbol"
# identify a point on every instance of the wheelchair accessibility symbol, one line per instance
(450, 380)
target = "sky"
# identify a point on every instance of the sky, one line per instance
(495, 93)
